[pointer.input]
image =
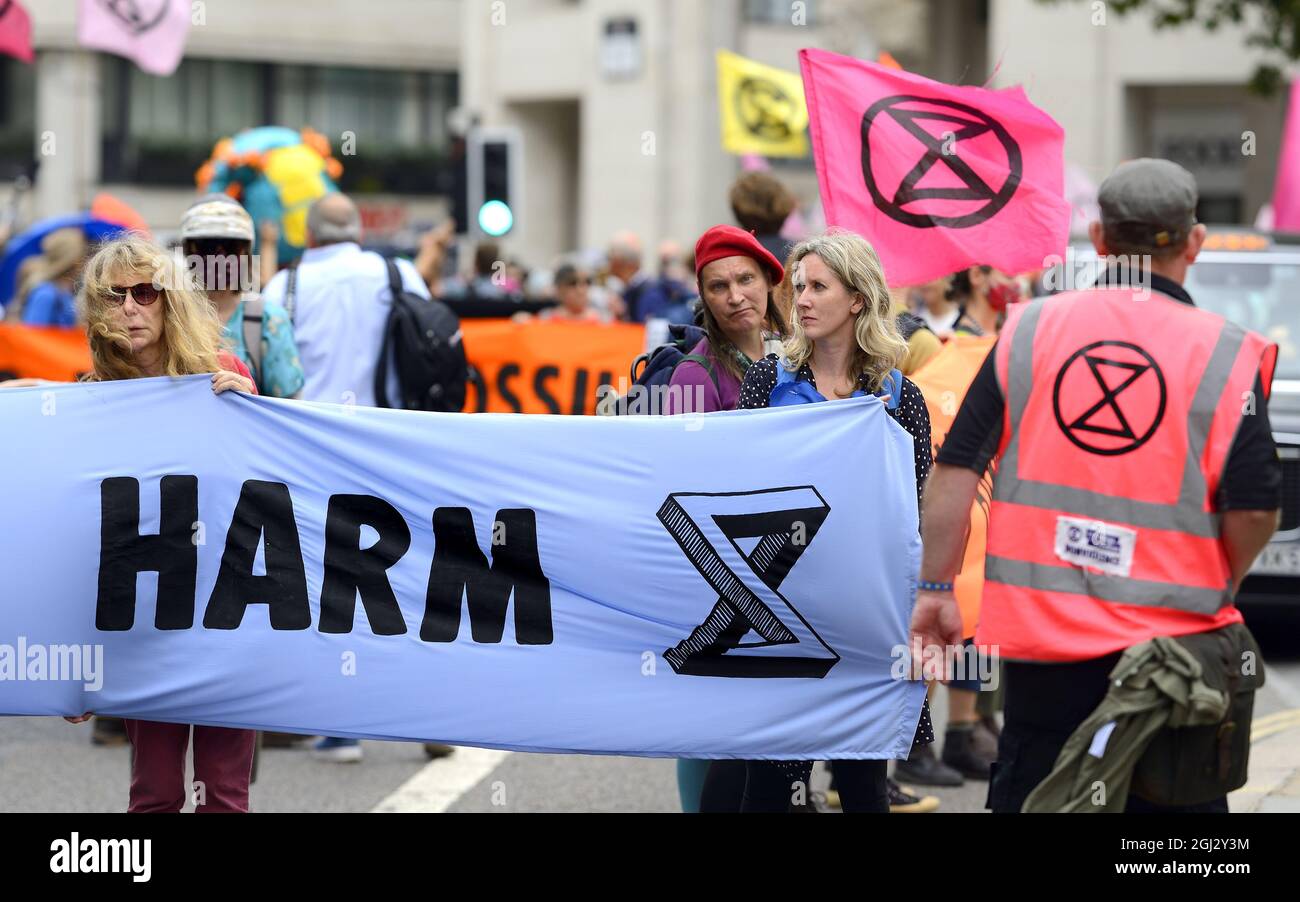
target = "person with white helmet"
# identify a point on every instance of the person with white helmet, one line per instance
(217, 238)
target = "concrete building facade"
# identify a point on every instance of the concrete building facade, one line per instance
(239, 54)
(616, 100)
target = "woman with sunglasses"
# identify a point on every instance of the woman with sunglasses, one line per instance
(144, 317)
(217, 238)
(573, 291)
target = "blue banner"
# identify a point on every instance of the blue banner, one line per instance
(726, 585)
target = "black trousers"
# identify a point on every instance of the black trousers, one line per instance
(1044, 704)
(771, 786)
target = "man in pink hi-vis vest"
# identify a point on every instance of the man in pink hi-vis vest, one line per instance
(1137, 481)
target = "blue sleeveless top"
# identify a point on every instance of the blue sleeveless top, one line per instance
(790, 390)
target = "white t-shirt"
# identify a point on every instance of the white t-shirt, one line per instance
(941, 326)
(340, 310)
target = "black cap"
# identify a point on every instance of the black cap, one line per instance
(1148, 204)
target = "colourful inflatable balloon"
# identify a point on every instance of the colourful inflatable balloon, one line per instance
(276, 173)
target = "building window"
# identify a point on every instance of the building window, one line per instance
(17, 119)
(780, 12)
(160, 130)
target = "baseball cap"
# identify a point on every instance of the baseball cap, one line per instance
(217, 216)
(1148, 203)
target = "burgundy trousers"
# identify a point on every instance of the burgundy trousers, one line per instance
(223, 762)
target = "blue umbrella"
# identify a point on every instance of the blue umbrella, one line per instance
(28, 244)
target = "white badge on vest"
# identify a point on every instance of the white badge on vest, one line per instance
(1095, 545)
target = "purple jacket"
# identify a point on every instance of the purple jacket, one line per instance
(696, 382)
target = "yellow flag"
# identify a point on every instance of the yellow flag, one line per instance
(763, 110)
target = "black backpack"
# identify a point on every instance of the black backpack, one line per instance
(656, 368)
(424, 340)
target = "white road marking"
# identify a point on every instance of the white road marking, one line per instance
(438, 784)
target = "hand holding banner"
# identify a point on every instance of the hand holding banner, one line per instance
(936, 177)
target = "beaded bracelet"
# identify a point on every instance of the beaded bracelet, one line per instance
(927, 586)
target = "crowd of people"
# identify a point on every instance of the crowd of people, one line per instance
(775, 323)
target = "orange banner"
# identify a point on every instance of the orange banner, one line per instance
(27, 352)
(546, 367)
(944, 381)
(533, 367)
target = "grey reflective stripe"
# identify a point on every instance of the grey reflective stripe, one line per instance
(1020, 366)
(1201, 416)
(1105, 587)
(1184, 516)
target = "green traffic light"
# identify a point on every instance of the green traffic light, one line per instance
(496, 218)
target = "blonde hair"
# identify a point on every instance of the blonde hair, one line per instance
(880, 346)
(191, 332)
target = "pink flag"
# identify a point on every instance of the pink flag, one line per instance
(149, 32)
(15, 31)
(1286, 191)
(936, 177)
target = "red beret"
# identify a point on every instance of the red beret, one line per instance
(724, 241)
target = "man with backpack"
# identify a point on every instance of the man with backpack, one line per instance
(356, 346)
(368, 335)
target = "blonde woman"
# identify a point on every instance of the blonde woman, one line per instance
(844, 342)
(145, 317)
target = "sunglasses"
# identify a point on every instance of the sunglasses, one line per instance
(144, 294)
(215, 247)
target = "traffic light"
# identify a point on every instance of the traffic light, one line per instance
(494, 158)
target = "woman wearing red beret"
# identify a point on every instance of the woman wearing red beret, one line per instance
(736, 277)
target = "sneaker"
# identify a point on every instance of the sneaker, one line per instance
(903, 802)
(340, 751)
(108, 731)
(960, 754)
(435, 750)
(925, 769)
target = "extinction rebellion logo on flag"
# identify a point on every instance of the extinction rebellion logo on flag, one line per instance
(765, 109)
(956, 182)
(137, 16)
